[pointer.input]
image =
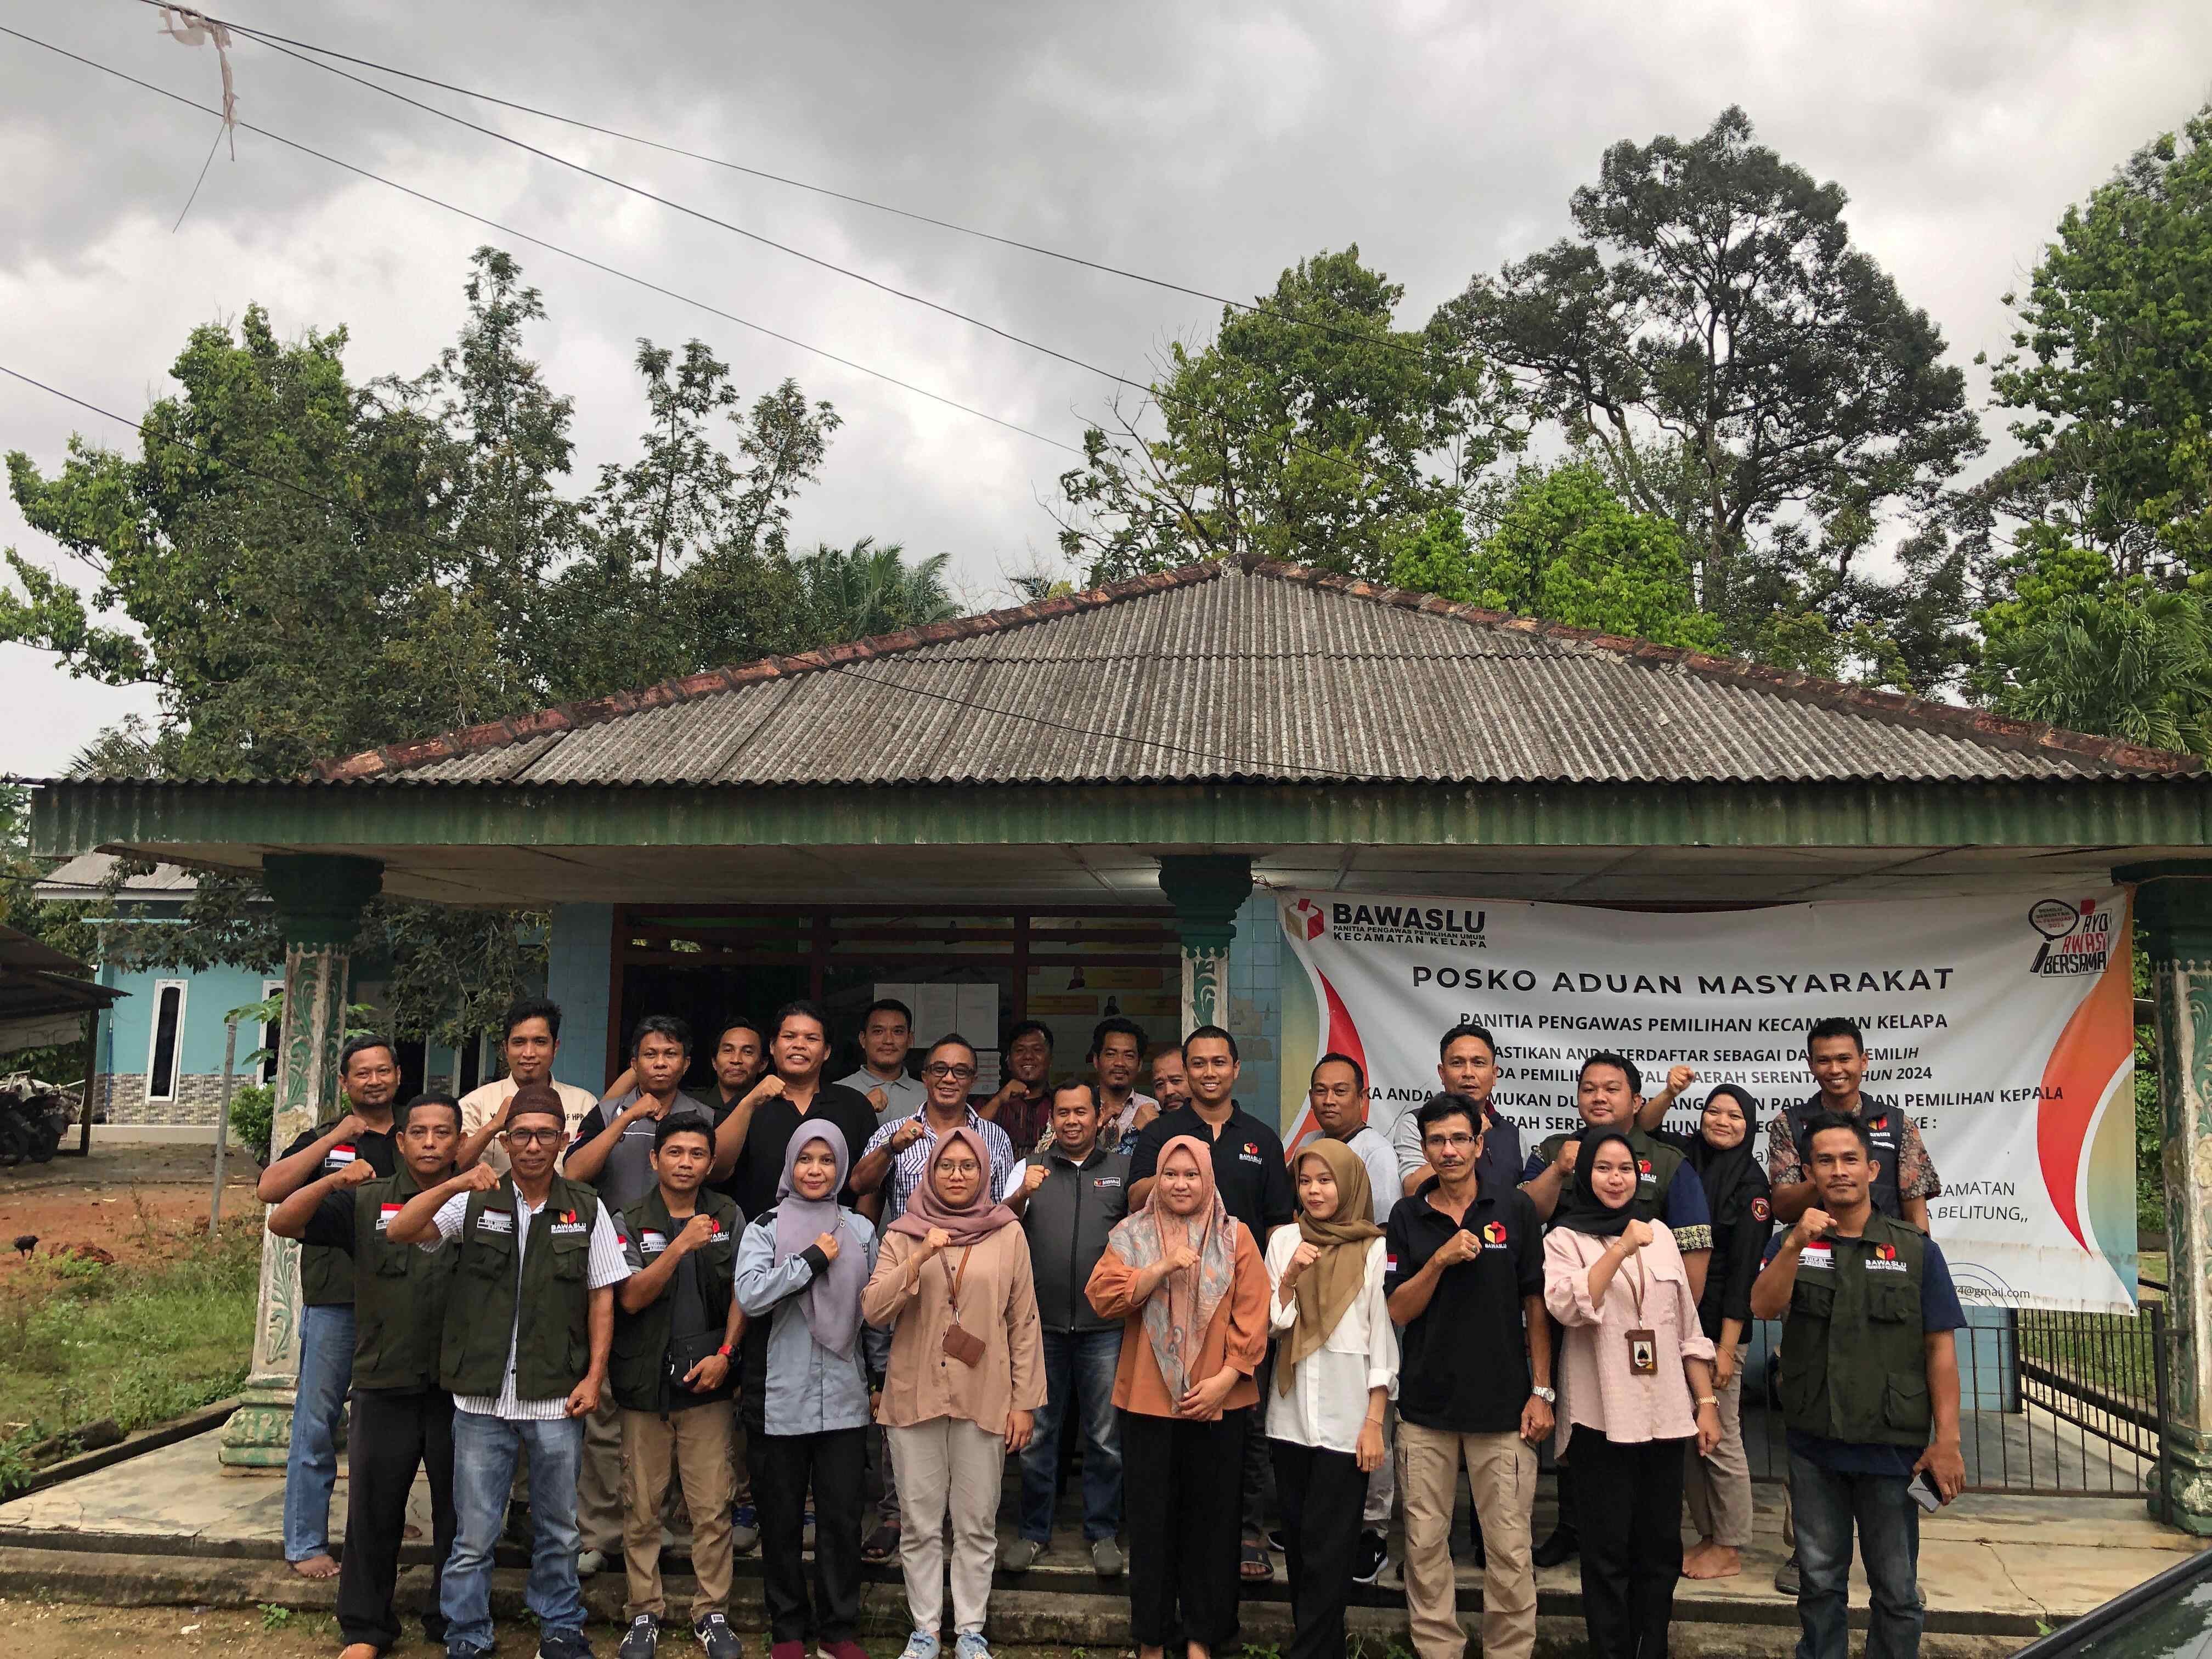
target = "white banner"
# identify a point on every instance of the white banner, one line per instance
(2004, 1028)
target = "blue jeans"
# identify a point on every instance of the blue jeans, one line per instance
(485, 1450)
(311, 1465)
(1827, 1505)
(1079, 1365)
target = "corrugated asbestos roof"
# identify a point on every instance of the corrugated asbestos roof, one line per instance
(1261, 672)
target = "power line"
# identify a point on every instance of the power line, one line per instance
(1353, 463)
(700, 214)
(850, 669)
(552, 247)
(268, 38)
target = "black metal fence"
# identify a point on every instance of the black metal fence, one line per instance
(2050, 1403)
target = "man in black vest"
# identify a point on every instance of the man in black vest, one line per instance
(677, 1325)
(1070, 1196)
(1870, 1388)
(523, 1353)
(402, 1419)
(368, 1074)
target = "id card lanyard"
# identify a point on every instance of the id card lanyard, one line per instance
(1643, 1342)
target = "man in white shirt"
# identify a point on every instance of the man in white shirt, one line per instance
(533, 1038)
(1337, 1092)
(886, 1035)
(515, 1380)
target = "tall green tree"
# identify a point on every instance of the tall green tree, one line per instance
(2110, 377)
(2134, 662)
(302, 566)
(1312, 429)
(1744, 371)
(1566, 548)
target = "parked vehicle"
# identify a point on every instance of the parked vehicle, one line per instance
(32, 1119)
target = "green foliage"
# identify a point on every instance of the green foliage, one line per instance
(2110, 369)
(80, 1340)
(253, 1118)
(303, 566)
(2128, 661)
(1748, 374)
(1312, 430)
(856, 592)
(1567, 549)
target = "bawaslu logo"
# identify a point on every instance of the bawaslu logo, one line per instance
(1381, 922)
(2077, 939)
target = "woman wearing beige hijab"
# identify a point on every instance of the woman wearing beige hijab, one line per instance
(1187, 1280)
(1336, 1367)
(965, 1379)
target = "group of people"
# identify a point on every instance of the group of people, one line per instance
(590, 1320)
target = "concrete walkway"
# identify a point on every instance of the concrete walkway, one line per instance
(1994, 1570)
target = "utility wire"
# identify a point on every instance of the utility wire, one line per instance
(1152, 390)
(553, 248)
(268, 38)
(850, 670)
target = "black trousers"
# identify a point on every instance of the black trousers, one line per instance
(1180, 1487)
(394, 1434)
(1255, 1482)
(783, 1467)
(1321, 1494)
(1628, 1502)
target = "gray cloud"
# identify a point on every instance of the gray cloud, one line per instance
(1213, 144)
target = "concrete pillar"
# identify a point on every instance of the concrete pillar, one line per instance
(2173, 910)
(320, 898)
(1206, 891)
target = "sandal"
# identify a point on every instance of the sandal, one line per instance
(1255, 1568)
(882, 1545)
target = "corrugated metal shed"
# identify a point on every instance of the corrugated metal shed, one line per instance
(1256, 673)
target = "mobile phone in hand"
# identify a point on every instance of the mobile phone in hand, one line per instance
(1924, 1493)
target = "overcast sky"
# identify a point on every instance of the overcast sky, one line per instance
(1211, 144)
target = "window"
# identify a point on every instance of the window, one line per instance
(168, 1035)
(268, 1034)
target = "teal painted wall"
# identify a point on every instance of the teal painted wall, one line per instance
(127, 1033)
(1255, 1007)
(578, 957)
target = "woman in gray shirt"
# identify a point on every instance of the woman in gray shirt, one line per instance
(809, 1366)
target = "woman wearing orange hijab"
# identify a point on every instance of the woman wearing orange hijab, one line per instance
(1188, 1280)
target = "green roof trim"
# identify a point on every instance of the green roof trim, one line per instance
(2118, 812)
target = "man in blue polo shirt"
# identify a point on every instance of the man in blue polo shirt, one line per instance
(1870, 1388)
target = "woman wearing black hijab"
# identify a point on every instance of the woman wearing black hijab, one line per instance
(1635, 1389)
(1717, 1487)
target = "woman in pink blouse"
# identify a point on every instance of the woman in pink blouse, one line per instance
(1636, 1382)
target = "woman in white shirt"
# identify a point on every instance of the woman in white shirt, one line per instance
(1336, 1367)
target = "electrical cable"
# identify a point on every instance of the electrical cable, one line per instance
(851, 670)
(550, 247)
(268, 38)
(1116, 377)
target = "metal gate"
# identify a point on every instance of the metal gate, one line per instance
(2057, 1404)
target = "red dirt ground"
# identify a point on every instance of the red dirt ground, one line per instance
(122, 1199)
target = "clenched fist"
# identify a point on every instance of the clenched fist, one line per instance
(356, 1173)
(1635, 1235)
(827, 1243)
(1810, 1226)
(1034, 1177)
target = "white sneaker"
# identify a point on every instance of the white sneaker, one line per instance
(920, 1645)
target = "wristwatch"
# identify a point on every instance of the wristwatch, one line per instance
(724, 1351)
(1549, 1396)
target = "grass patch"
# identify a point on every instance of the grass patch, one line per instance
(141, 1342)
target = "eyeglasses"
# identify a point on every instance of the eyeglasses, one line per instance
(941, 1070)
(536, 1137)
(1450, 1143)
(966, 1167)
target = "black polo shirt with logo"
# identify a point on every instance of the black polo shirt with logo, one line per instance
(325, 1281)
(1248, 1167)
(1463, 1365)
